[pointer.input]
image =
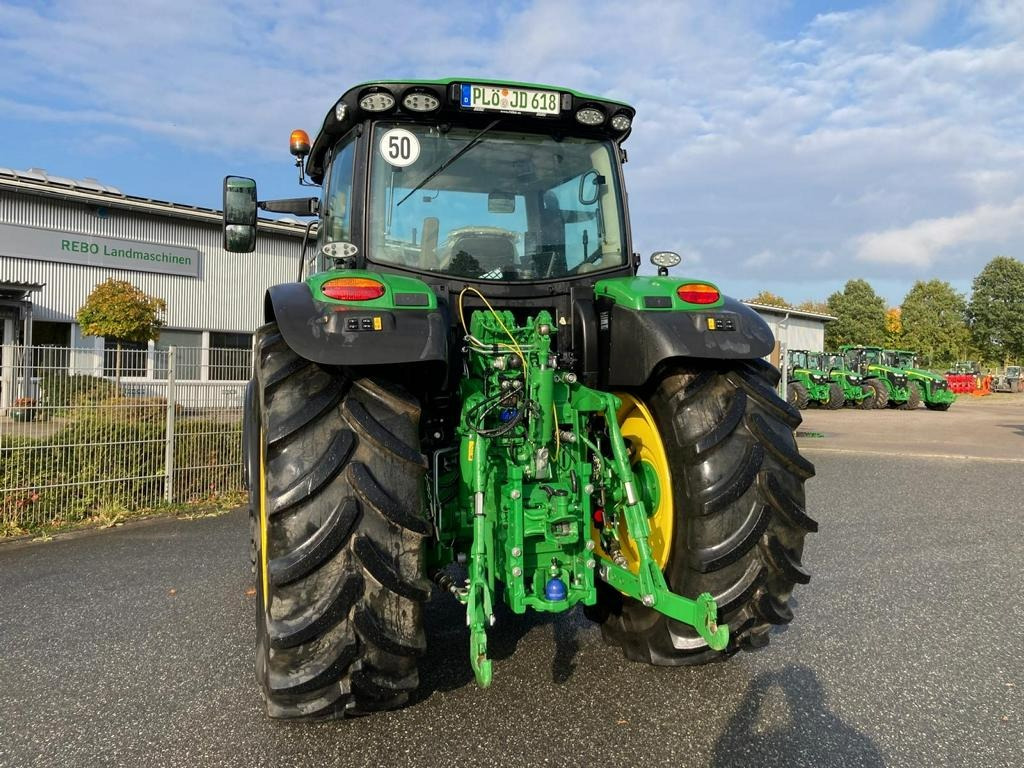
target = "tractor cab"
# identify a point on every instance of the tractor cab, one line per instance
(901, 358)
(797, 359)
(458, 180)
(871, 361)
(835, 362)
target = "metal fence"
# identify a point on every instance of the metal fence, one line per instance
(83, 435)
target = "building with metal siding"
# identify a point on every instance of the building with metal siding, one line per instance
(793, 329)
(225, 295)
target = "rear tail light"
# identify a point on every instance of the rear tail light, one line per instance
(353, 289)
(698, 293)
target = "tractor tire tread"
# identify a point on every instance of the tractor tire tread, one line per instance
(385, 571)
(736, 545)
(766, 397)
(315, 550)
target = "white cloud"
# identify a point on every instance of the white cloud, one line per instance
(926, 242)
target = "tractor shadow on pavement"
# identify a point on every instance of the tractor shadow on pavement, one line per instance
(446, 664)
(808, 734)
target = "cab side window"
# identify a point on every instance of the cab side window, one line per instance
(337, 200)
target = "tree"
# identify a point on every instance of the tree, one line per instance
(996, 309)
(933, 321)
(893, 327)
(813, 305)
(859, 313)
(769, 299)
(118, 310)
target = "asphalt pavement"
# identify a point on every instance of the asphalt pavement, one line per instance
(134, 646)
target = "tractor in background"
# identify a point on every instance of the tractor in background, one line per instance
(808, 383)
(891, 385)
(932, 388)
(965, 367)
(856, 392)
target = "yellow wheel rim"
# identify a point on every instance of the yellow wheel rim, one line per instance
(653, 480)
(263, 525)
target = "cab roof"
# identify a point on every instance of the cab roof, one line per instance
(451, 107)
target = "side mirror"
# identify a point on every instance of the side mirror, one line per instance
(589, 197)
(239, 214)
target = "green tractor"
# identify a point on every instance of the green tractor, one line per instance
(891, 385)
(855, 391)
(965, 367)
(470, 390)
(809, 383)
(933, 389)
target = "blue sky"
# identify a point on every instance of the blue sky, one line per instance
(779, 145)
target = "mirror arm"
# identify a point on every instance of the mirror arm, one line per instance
(299, 206)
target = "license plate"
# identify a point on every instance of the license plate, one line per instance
(501, 98)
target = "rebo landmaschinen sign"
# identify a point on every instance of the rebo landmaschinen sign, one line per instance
(74, 248)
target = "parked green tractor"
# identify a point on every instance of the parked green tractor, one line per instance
(932, 388)
(891, 385)
(470, 390)
(855, 391)
(963, 367)
(808, 383)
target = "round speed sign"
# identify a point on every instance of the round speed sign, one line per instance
(399, 147)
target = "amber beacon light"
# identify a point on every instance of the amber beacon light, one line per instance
(298, 143)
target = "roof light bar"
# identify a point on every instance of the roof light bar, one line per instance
(621, 122)
(378, 101)
(418, 101)
(590, 116)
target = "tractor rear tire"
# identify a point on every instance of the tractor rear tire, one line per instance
(339, 491)
(913, 400)
(797, 395)
(739, 519)
(881, 392)
(836, 397)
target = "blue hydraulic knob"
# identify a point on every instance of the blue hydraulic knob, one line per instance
(555, 590)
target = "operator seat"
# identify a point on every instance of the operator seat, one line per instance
(490, 252)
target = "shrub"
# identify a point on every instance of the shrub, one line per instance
(60, 390)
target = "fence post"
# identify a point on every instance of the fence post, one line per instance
(7, 355)
(169, 446)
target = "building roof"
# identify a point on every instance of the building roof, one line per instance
(36, 181)
(13, 289)
(774, 310)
